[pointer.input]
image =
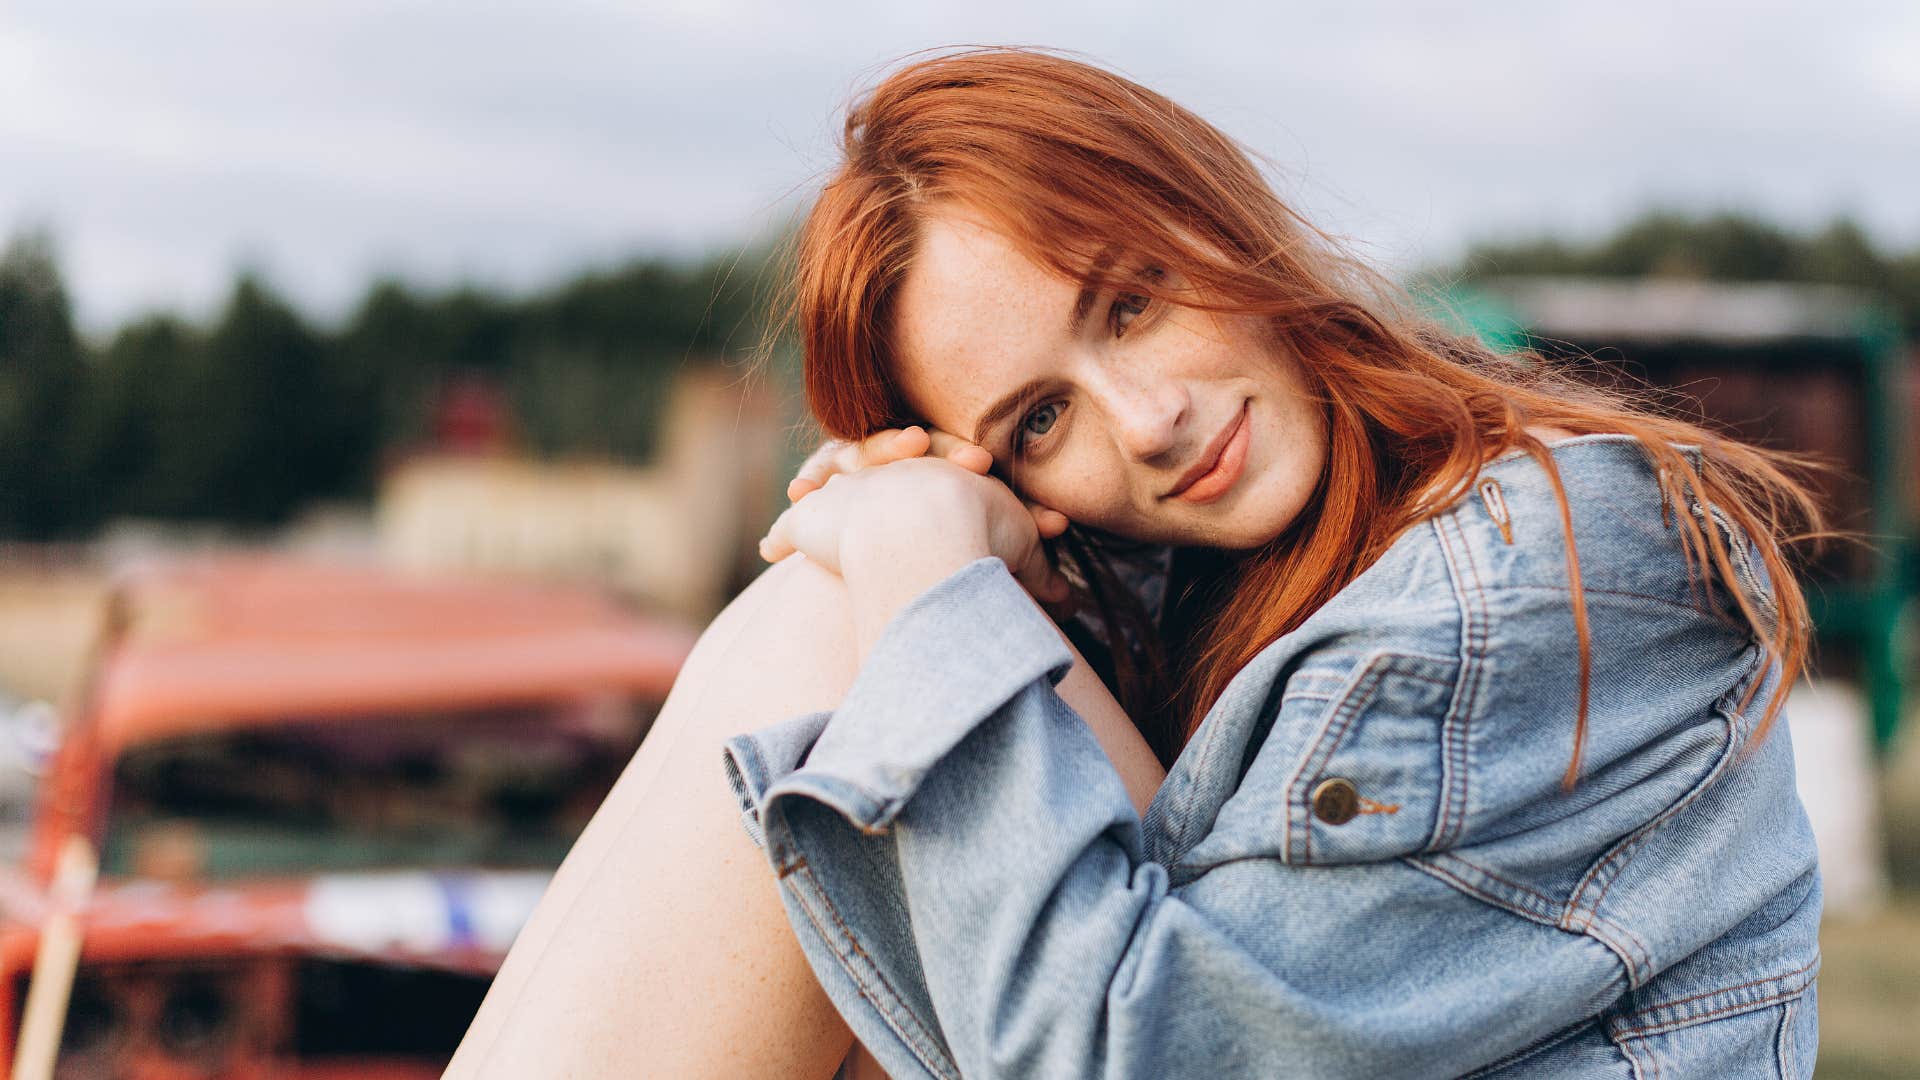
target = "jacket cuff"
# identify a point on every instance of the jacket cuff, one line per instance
(946, 662)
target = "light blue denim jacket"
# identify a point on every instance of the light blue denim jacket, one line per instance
(979, 898)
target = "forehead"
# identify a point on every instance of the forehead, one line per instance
(974, 319)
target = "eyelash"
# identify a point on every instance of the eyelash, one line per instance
(1135, 303)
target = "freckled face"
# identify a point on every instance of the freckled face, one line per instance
(1146, 419)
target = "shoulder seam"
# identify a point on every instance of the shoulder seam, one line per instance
(1470, 599)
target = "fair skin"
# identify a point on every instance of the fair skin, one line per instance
(661, 947)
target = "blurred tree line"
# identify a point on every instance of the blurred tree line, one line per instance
(247, 418)
(1724, 247)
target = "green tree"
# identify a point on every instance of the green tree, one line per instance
(140, 422)
(1726, 246)
(389, 356)
(268, 419)
(42, 492)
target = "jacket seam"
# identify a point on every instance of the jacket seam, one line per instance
(1429, 864)
(1691, 608)
(1784, 1050)
(1608, 869)
(1455, 726)
(891, 1008)
(746, 775)
(1631, 946)
(1626, 848)
(1737, 545)
(1644, 1068)
(1731, 1008)
(1677, 1002)
(1532, 904)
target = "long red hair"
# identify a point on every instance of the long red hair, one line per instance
(1069, 160)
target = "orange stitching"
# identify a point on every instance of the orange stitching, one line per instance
(1350, 706)
(1502, 902)
(1633, 1059)
(1477, 629)
(1368, 806)
(1725, 1010)
(1724, 990)
(1546, 902)
(889, 1010)
(1628, 940)
(1632, 845)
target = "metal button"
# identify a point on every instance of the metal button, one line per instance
(1336, 801)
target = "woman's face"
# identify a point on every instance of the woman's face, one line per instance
(1148, 420)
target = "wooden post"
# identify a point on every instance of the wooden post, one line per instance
(55, 961)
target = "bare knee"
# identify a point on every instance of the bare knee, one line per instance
(782, 647)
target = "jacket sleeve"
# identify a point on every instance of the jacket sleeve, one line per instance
(969, 880)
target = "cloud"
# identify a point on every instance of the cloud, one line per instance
(512, 143)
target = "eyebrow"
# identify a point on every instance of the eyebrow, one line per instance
(1076, 322)
(999, 410)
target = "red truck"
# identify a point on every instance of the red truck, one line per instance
(321, 801)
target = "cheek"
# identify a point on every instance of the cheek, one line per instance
(1087, 491)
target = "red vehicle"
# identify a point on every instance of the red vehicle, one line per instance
(321, 801)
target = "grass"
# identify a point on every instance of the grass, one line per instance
(1870, 969)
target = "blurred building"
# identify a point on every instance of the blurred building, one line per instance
(1818, 370)
(676, 533)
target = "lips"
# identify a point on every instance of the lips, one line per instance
(1219, 467)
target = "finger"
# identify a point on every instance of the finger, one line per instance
(778, 544)
(1066, 606)
(814, 471)
(1050, 522)
(1045, 583)
(773, 548)
(961, 452)
(893, 444)
(1061, 611)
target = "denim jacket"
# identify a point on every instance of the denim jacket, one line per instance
(1363, 863)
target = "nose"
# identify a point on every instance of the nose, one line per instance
(1147, 409)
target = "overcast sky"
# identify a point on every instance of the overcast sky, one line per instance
(325, 141)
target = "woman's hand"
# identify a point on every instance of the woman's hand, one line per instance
(890, 531)
(838, 457)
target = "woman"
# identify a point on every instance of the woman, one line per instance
(1449, 739)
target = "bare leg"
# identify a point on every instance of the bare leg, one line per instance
(661, 948)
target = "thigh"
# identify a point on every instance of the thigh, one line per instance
(661, 947)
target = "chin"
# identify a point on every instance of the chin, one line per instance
(1236, 536)
(1260, 516)
(1232, 532)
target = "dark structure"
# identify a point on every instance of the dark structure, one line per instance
(1808, 368)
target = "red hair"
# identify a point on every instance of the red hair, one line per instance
(1068, 160)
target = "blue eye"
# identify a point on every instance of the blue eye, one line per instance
(1040, 421)
(1126, 307)
(1035, 425)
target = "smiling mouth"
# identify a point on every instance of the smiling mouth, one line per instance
(1220, 467)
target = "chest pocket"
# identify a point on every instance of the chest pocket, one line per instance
(1352, 769)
